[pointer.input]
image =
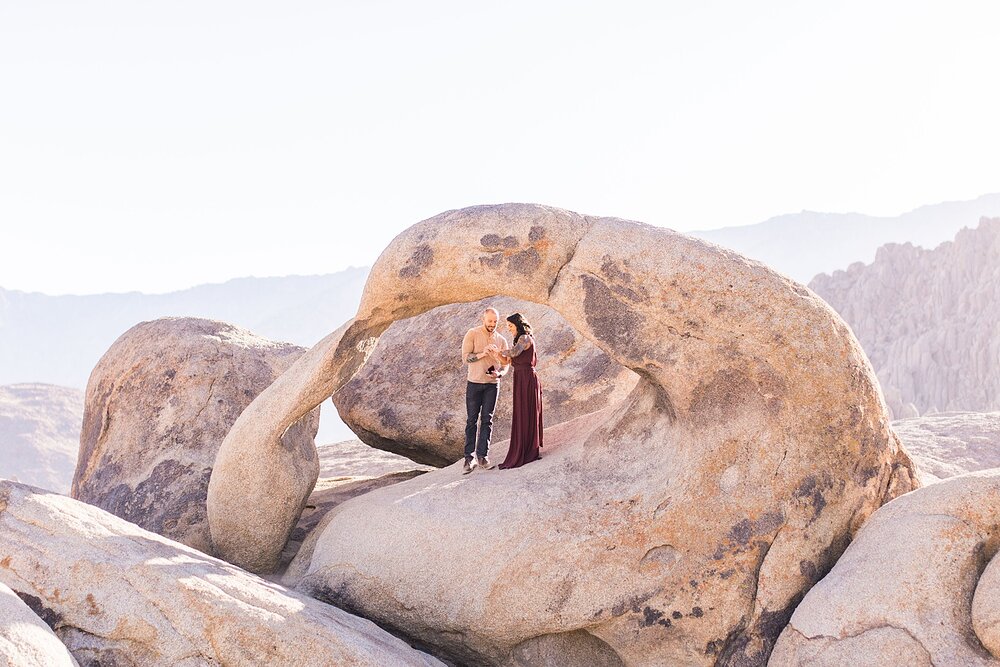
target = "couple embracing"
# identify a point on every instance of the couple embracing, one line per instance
(489, 358)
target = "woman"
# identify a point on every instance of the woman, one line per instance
(526, 421)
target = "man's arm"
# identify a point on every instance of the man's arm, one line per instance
(468, 356)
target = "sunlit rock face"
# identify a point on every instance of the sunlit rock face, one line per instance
(680, 526)
(409, 397)
(928, 320)
(158, 405)
(918, 586)
(119, 595)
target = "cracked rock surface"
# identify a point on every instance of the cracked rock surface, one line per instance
(158, 405)
(680, 526)
(911, 589)
(116, 594)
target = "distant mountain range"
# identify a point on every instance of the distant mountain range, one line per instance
(802, 245)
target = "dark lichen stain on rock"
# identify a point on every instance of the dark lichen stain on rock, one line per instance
(612, 321)
(52, 618)
(421, 258)
(697, 612)
(741, 532)
(536, 234)
(650, 616)
(724, 396)
(677, 614)
(634, 604)
(811, 489)
(491, 241)
(494, 261)
(525, 262)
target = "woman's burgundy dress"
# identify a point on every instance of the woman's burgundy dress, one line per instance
(526, 421)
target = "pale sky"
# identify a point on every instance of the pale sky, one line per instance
(157, 145)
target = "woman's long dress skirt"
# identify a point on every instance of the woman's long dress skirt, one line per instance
(526, 421)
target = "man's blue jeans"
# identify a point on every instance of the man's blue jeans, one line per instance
(480, 402)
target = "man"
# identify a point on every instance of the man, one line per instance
(485, 371)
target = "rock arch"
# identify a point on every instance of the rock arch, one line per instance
(722, 489)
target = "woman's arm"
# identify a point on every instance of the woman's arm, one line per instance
(522, 344)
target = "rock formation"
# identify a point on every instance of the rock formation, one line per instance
(928, 320)
(353, 458)
(40, 434)
(118, 595)
(951, 443)
(158, 405)
(423, 416)
(680, 526)
(25, 641)
(903, 593)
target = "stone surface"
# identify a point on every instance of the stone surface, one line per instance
(902, 593)
(158, 406)
(328, 494)
(353, 458)
(119, 595)
(680, 526)
(25, 640)
(927, 320)
(40, 434)
(427, 423)
(986, 606)
(947, 444)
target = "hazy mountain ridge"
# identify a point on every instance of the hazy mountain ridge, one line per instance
(802, 245)
(58, 339)
(928, 320)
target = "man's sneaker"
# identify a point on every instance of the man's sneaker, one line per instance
(467, 467)
(485, 463)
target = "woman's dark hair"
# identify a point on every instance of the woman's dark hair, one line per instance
(522, 325)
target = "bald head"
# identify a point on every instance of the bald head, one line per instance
(490, 318)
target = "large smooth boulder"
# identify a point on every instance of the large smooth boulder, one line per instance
(116, 594)
(40, 433)
(409, 398)
(158, 405)
(902, 594)
(25, 640)
(681, 526)
(951, 443)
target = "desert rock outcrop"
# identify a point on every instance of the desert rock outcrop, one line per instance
(25, 641)
(409, 397)
(158, 406)
(353, 458)
(117, 594)
(947, 444)
(40, 434)
(928, 320)
(680, 526)
(902, 593)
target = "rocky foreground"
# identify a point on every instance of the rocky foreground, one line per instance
(746, 503)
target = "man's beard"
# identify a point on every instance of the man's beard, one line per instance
(491, 328)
